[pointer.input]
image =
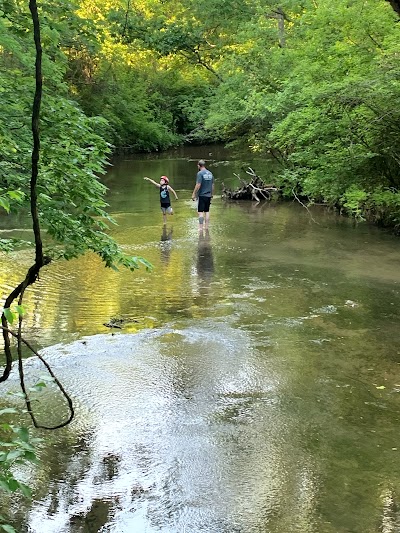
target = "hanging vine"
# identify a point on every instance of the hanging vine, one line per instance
(40, 259)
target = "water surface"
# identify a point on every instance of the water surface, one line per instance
(254, 386)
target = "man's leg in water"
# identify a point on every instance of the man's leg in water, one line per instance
(201, 220)
(207, 219)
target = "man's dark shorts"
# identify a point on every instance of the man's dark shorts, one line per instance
(204, 204)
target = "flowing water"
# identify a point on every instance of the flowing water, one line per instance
(254, 386)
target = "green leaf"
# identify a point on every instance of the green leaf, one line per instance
(17, 394)
(146, 263)
(8, 528)
(13, 484)
(15, 195)
(13, 454)
(8, 410)
(5, 204)
(8, 314)
(26, 491)
(31, 457)
(38, 387)
(20, 310)
(4, 485)
(23, 434)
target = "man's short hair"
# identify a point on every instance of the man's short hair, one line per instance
(202, 163)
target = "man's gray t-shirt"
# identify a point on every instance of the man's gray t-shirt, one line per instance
(206, 179)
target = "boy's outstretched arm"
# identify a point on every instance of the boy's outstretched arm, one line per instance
(152, 181)
(172, 190)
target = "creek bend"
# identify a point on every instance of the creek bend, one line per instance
(244, 393)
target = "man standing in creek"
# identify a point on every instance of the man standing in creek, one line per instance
(204, 191)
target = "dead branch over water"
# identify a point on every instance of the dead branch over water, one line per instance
(255, 189)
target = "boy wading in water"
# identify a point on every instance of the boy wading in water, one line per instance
(165, 201)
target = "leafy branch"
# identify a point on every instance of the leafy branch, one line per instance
(40, 259)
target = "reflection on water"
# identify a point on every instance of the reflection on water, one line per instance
(171, 459)
(205, 259)
(166, 234)
(254, 386)
(166, 245)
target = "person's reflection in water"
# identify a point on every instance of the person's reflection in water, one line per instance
(205, 259)
(166, 245)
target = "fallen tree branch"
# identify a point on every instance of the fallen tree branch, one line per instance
(249, 190)
(305, 207)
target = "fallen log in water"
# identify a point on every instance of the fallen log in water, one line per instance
(256, 189)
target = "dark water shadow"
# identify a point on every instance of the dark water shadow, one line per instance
(166, 245)
(205, 259)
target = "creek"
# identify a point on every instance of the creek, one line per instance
(255, 383)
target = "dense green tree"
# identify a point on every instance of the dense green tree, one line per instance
(142, 91)
(74, 149)
(341, 137)
(325, 103)
(314, 85)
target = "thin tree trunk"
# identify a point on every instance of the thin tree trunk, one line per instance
(35, 132)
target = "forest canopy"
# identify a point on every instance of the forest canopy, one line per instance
(315, 85)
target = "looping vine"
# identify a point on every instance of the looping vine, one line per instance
(21, 341)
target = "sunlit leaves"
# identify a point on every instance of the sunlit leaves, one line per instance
(326, 103)
(74, 149)
(10, 317)
(10, 199)
(12, 314)
(5, 203)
